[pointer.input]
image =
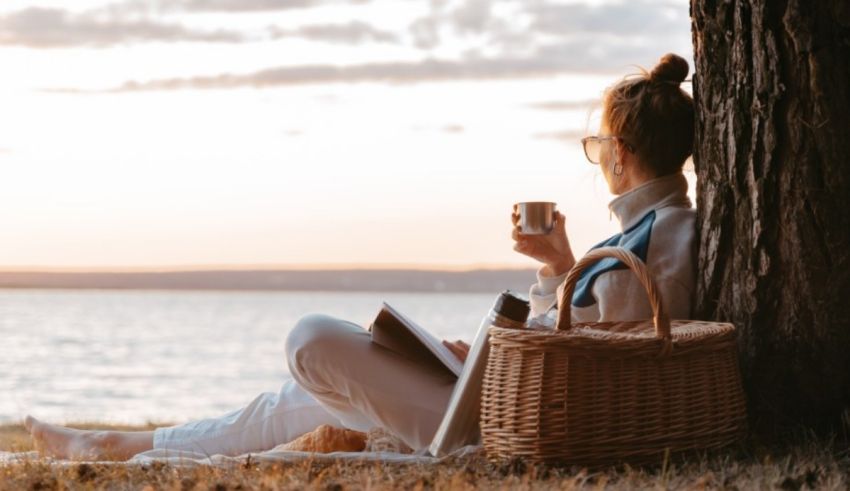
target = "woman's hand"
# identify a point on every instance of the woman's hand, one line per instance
(459, 348)
(552, 249)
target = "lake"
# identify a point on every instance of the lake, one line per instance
(131, 356)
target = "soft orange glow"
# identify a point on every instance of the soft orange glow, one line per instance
(403, 163)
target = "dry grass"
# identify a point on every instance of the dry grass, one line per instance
(812, 464)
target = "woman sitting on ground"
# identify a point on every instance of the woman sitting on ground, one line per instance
(340, 378)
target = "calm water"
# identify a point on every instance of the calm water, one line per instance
(134, 356)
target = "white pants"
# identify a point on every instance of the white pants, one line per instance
(339, 377)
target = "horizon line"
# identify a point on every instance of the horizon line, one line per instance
(186, 268)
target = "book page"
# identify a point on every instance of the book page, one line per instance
(460, 423)
(394, 331)
(390, 333)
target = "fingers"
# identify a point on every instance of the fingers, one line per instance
(560, 230)
(455, 351)
(523, 246)
(451, 346)
(457, 347)
(560, 219)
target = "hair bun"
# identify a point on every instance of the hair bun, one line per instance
(671, 68)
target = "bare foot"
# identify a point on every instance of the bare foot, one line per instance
(69, 443)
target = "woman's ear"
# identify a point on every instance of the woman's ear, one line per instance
(623, 148)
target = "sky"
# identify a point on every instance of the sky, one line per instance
(306, 133)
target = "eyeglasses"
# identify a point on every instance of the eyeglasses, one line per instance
(593, 146)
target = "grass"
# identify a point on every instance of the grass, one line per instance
(810, 463)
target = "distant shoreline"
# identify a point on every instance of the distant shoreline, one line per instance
(353, 280)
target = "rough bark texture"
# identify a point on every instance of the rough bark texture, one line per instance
(772, 155)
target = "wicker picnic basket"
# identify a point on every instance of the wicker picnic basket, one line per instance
(608, 392)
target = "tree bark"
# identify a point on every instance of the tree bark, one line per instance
(772, 157)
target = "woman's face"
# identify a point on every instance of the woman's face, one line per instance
(607, 155)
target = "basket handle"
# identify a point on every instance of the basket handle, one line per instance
(660, 318)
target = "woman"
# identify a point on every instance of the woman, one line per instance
(340, 378)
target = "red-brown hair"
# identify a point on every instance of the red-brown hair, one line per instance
(654, 115)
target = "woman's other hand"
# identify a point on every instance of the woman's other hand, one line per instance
(459, 348)
(552, 249)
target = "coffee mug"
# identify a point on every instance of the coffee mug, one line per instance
(536, 217)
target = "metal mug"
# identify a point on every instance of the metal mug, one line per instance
(536, 217)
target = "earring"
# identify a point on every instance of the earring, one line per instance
(618, 169)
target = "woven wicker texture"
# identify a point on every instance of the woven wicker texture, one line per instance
(602, 393)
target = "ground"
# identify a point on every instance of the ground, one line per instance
(808, 464)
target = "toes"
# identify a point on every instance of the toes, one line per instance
(35, 428)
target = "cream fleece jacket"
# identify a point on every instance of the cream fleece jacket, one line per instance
(658, 224)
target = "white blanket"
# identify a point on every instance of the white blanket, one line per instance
(184, 458)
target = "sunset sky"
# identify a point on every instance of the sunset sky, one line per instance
(190, 133)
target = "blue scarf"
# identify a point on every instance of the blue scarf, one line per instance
(635, 239)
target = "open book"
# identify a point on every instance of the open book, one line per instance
(459, 425)
(394, 331)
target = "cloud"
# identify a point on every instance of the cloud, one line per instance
(351, 33)
(596, 53)
(626, 19)
(622, 18)
(428, 70)
(425, 33)
(56, 28)
(473, 15)
(130, 7)
(497, 39)
(245, 5)
(565, 105)
(521, 26)
(574, 56)
(254, 5)
(52, 28)
(471, 20)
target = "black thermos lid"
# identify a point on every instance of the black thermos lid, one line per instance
(512, 306)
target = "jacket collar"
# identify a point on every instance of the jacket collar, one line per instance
(669, 190)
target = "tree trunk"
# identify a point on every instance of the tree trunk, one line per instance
(772, 156)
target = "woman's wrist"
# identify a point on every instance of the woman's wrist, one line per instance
(559, 268)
